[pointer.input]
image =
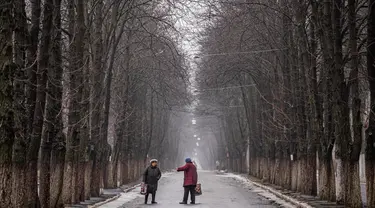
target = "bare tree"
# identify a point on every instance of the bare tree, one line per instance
(304, 93)
(7, 76)
(370, 149)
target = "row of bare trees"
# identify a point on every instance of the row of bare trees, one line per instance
(293, 80)
(83, 96)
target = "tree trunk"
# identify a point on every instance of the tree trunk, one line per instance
(103, 159)
(112, 174)
(76, 66)
(83, 160)
(340, 95)
(121, 129)
(95, 176)
(97, 98)
(370, 140)
(6, 116)
(352, 190)
(57, 136)
(80, 110)
(68, 163)
(32, 60)
(19, 108)
(88, 174)
(57, 173)
(370, 177)
(33, 151)
(31, 93)
(307, 179)
(53, 129)
(326, 178)
(104, 164)
(83, 155)
(124, 170)
(352, 179)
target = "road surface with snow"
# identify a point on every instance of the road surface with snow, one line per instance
(219, 191)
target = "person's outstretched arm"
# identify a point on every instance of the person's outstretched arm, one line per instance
(183, 168)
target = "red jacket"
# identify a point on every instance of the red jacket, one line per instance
(190, 174)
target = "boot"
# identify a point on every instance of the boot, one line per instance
(146, 198)
(153, 198)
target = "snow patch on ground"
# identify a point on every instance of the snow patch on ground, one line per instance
(124, 198)
(260, 191)
(237, 177)
(204, 171)
(166, 174)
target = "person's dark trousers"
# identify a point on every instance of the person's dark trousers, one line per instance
(153, 197)
(190, 189)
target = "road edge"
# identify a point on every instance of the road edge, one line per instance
(280, 195)
(114, 197)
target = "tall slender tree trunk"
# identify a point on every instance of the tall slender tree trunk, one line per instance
(84, 142)
(120, 147)
(19, 107)
(347, 164)
(340, 106)
(326, 178)
(66, 196)
(80, 109)
(31, 90)
(353, 196)
(370, 140)
(32, 61)
(97, 97)
(84, 136)
(325, 34)
(76, 66)
(53, 121)
(43, 64)
(6, 93)
(307, 183)
(55, 90)
(103, 159)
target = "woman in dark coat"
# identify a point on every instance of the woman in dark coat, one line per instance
(151, 177)
(190, 180)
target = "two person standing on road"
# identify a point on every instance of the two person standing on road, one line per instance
(151, 176)
(190, 180)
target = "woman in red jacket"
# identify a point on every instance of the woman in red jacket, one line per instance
(190, 180)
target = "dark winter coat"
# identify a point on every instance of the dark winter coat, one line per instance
(190, 174)
(151, 177)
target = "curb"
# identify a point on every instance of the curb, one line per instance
(280, 195)
(104, 202)
(113, 198)
(131, 188)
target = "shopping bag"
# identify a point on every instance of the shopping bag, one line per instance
(143, 188)
(198, 190)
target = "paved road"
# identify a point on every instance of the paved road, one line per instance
(219, 191)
